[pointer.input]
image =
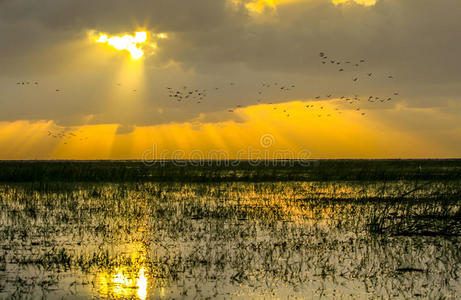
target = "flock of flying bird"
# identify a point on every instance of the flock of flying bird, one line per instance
(355, 100)
(57, 134)
(33, 83)
(62, 134)
(343, 64)
(185, 93)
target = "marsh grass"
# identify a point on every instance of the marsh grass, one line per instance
(308, 239)
(44, 172)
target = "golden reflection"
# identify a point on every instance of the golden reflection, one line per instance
(125, 281)
(122, 284)
(299, 211)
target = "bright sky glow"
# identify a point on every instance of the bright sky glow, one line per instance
(362, 2)
(127, 42)
(258, 6)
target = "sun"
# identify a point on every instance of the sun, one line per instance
(130, 43)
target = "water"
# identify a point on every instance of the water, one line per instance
(341, 239)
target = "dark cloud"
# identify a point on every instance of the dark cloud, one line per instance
(213, 42)
(124, 129)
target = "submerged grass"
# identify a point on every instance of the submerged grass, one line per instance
(309, 239)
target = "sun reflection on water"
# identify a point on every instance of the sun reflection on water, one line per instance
(127, 280)
(122, 283)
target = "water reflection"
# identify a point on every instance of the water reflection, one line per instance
(258, 240)
(123, 283)
(127, 278)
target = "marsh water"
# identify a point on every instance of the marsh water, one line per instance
(231, 239)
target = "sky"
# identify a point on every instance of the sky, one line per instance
(263, 69)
